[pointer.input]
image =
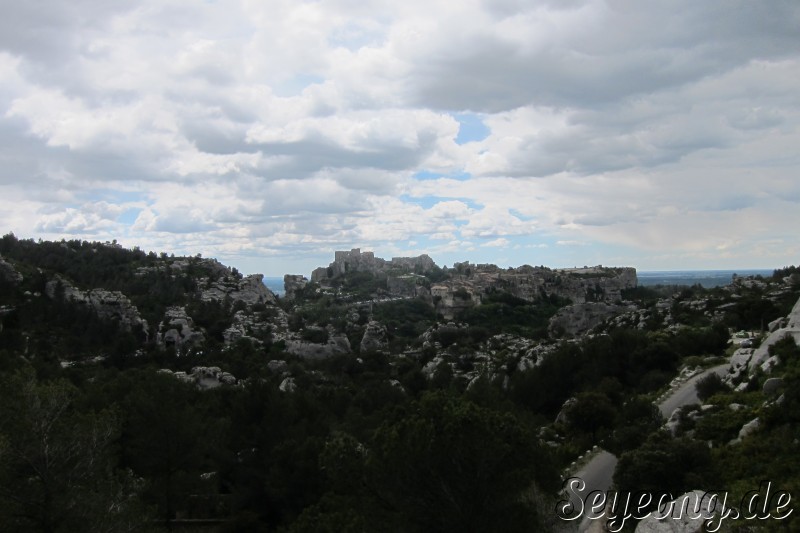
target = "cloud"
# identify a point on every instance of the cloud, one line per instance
(288, 129)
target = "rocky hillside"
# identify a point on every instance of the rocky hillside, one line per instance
(211, 402)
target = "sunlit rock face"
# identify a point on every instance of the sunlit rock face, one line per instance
(250, 290)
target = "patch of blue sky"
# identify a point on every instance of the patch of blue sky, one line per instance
(129, 216)
(429, 201)
(427, 175)
(423, 201)
(471, 128)
(460, 176)
(295, 85)
(519, 215)
(424, 175)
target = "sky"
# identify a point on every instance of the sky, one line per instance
(663, 135)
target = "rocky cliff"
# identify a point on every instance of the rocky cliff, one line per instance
(250, 290)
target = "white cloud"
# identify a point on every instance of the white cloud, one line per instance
(288, 129)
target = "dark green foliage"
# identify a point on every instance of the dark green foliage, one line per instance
(366, 442)
(591, 412)
(436, 275)
(57, 471)
(501, 312)
(317, 335)
(361, 285)
(665, 465)
(163, 439)
(405, 320)
(638, 418)
(213, 316)
(450, 465)
(709, 386)
(753, 312)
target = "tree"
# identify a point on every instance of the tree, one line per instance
(451, 465)
(709, 386)
(591, 412)
(664, 465)
(56, 468)
(162, 439)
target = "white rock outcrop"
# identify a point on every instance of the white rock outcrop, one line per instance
(790, 327)
(177, 330)
(375, 338)
(250, 290)
(109, 305)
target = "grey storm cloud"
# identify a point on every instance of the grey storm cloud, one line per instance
(631, 48)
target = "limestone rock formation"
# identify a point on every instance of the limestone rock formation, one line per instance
(292, 283)
(452, 298)
(789, 327)
(375, 338)
(336, 345)
(109, 305)
(749, 428)
(772, 386)
(246, 325)
(250, 290)
(177, 330)
(9, 273)
(739, 363)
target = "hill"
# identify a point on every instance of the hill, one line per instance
(378, 395)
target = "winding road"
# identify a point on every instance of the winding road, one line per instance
(598, 473)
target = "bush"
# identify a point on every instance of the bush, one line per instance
(709, 386)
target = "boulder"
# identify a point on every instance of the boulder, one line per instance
(288, 385)
(177, 330)
(562, 416)
(375, 338)
(749, 428)
(772, 386)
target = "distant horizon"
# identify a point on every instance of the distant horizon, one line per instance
(744, 271)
